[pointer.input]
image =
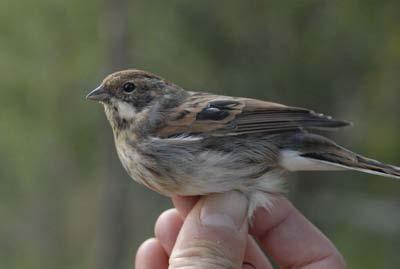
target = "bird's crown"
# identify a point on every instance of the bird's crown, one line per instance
(115, 79)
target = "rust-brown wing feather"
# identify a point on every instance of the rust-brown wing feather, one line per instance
(223, 115)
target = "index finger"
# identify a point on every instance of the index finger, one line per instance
(292, 240)
(184, 204)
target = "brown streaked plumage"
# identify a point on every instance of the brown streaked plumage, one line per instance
(193, 143)
(242, 116)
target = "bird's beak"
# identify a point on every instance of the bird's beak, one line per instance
(99, 94)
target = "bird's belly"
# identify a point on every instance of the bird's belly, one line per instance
(200, 173)
(196, 173)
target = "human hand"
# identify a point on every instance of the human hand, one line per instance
(212, 232)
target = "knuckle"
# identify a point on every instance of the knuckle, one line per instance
(203, 254)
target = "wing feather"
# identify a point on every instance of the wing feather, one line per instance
(224, 116)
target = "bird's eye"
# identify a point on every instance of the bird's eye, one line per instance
(129, 87)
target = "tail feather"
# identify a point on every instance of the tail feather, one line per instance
(359, 163)
(303, 151)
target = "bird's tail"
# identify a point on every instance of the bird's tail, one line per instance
(360, 163)
(319, 153)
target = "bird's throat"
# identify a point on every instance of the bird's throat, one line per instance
(120, 117)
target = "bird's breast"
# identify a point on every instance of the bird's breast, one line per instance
(140, 167)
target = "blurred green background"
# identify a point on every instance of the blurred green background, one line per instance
(65, 201)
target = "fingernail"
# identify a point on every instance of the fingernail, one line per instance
(224, 210)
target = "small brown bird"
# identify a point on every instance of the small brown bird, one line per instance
(179, 142)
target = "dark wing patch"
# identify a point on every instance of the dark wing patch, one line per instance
(217, 110)
(212, 113)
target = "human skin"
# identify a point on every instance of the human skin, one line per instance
(212, 232)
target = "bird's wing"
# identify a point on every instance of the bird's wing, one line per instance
(223, 116)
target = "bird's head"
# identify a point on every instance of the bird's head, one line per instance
(129, 93)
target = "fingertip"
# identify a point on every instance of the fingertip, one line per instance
(167, 228)
(151, 255)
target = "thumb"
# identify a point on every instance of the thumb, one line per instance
(214, 234)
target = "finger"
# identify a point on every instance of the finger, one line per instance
(151, 255)
(214, 234)
(167, 229)
(255, 256)
(170, 222)
(292, 240)
(184, 204)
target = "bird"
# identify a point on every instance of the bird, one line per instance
(179, 142)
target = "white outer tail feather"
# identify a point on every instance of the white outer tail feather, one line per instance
(293, 161)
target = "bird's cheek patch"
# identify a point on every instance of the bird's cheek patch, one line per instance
(125, 110)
